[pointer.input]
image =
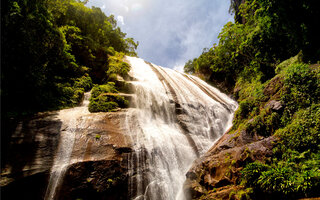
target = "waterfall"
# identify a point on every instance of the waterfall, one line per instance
(175, 119)
(72, 120)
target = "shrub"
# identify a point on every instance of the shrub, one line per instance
(294, 60)
(102, 104)
(263, 124)
(77, 96)
(84, 82)
(252, 172)
(117, 66)
(250, 89)
(107, 88)
(245, 107)
(294, 171)
(69, 96)
(104, 98)
(302, 88)
(303, 132)
(277, 180)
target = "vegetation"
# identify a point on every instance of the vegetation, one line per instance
(294, 169)
(53, 51)
(104, 98)
(117, 66)
(266, 33)
(251, 61)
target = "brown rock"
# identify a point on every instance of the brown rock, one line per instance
(221, 165)
(274, 105)
(273, 88)
(98, 160)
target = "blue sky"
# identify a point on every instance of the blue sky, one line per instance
(170, 32)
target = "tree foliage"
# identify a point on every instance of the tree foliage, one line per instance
(52, 49)
(269, 32)
(293, 171)
(251, 59)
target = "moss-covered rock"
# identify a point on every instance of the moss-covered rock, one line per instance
(278, 123)
(105, 98)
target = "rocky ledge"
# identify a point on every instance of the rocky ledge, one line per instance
(214, 175)
(97, 170)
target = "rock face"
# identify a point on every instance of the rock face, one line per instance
(30, 156)
(142, 152)
(97, 170)
(214, 175)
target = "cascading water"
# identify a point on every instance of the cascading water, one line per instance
(72, 120)
(175, 119)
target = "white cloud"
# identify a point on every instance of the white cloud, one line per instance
(169, 32)
(136, 7)
(103, 7)
(120, 19)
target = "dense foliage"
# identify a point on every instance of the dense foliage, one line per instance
(251, 61)
(104, 98)
(294, 169)
(53, 50)
(265, 33)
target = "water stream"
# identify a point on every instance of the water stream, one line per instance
(176, 118)
(72, 120)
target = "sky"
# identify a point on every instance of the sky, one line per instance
(169, 32)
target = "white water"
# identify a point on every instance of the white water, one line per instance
(176, 118)
(72, 120)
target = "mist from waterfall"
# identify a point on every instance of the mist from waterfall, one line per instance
(175, 119)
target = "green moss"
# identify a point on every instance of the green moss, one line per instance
(227, 157)
(244, 194)
(69, 96)
(117, 66)
(294, 60)
(252, 89)
(97, 90)
(302, 88)
(245, 107)
(303, 132)
(84, 82)
(102, 104)
(104, 98)
(263, 124)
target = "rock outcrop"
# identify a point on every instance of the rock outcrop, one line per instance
(97, 170)
(214, 176)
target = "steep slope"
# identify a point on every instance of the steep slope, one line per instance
(272, 150)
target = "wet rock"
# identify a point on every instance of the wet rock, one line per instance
(193, 189)
(98, 162)
(29, 156)
(124, 150)
(105, 179)
(191, 175)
